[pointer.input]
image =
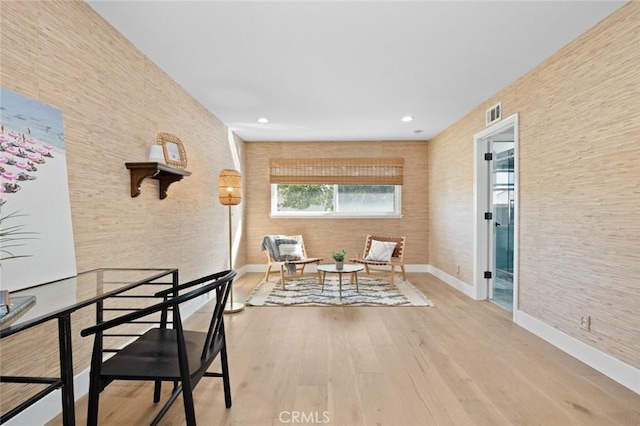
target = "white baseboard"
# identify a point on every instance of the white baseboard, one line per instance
(257, 268)
(611, 367)
(241, 271)
(452, 281)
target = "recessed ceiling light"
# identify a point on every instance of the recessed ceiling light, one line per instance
(263, 120)
(407, 118)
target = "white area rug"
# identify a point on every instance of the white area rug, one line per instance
(306, 291)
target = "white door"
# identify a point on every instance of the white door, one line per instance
(496, 211)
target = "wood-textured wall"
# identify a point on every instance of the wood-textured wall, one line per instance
(114, 102)
(579, 187)
(322, 236)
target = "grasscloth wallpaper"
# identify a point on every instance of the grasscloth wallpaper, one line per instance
(114, 102)
(579, 176)
(579, 187)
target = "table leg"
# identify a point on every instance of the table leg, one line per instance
(356, 276)
(66, 370)
(323, 275)
(340, 281)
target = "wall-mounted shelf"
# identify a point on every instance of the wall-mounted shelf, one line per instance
(164, 174)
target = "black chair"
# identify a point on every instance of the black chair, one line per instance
(166, 354)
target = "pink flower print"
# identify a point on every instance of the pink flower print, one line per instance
(9, 175)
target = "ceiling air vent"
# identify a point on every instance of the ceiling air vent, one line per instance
(494, 114)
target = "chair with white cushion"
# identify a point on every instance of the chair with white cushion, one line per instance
(382, 254)
(287, 252)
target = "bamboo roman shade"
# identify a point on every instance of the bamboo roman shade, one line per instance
(344, 171)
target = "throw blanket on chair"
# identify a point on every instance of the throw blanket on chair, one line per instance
(282, 248)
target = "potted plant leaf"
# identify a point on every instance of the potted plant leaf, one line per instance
(11, 237)
(338, 257)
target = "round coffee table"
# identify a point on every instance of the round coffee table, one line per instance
(352, 270)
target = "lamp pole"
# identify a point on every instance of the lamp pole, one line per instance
(231, 307)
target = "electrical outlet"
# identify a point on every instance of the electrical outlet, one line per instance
(585, 322)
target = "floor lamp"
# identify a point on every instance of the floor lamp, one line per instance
(229, 194)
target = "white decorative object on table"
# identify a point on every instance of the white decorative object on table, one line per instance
(156, 154)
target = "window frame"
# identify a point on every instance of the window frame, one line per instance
(396, 214)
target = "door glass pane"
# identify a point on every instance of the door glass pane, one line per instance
(503, 213)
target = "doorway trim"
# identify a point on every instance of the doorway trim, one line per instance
(481, 192)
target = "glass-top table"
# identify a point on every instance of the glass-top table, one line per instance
(57, 300)
(71, 294)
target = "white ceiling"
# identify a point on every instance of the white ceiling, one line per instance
(347, 70)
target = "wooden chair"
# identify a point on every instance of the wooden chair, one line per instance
(285, 266)
(387, 268)
(165, 354)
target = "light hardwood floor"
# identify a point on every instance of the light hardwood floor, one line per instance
(461, 363)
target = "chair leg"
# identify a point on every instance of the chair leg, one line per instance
(177, 389)
(266, 275)
(393, 276)
(404, 276)
(282, 275)
(189, 410)
(225, 377)
(94, 399)
(157, 387)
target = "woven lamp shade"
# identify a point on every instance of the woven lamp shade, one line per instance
(229, 187)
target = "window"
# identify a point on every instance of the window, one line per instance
(336, 187)
(323, 200)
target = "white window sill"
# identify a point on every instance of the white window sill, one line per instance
(335, 216)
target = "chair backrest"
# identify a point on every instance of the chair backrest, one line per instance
(290, 237)
(219, 282)
(398, 251)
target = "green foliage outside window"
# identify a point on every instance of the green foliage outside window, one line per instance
(301, 197)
